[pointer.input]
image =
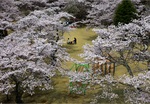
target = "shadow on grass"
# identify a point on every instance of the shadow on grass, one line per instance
(60, 94)
(72, 48)
(3, 99)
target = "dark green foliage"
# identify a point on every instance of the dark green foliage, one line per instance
(125, 12)
(77, 9)
(50, 1)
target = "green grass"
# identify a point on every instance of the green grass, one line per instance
(83, 36)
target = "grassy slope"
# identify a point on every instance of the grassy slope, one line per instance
(83, 36)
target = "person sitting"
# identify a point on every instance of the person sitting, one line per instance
(75, 41)
(68, 41)
(72, 42)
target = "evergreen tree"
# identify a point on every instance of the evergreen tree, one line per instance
(125, 12)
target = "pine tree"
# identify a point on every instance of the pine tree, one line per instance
(125, 12)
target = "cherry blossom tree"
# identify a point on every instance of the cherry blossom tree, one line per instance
(135, 89)
(123, 44)
(14, 10)
(27, 6)
(9, 12)
(141, 88)
(22, 65)
(32, 53)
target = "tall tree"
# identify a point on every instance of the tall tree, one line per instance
(125, 12)
(32, 53)
(121, 44)
(135, 89)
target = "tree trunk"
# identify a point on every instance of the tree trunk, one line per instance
(128, 69)
(18, 93)
(7, 97)
(148, 65)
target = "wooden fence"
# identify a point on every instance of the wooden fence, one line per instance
(106, 68)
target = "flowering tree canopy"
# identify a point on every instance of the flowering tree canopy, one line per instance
(135, 89)
(121, 44)
(32, 53)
